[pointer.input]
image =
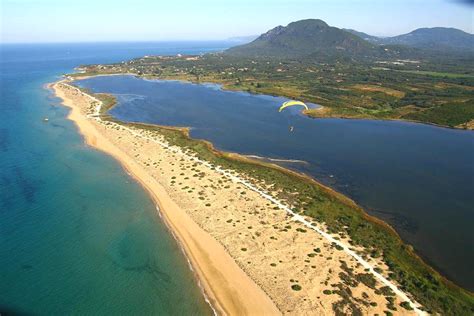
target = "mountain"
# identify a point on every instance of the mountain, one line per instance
(438, 38)
(304, 38)
(315, 39)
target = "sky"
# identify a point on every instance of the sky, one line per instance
(25, 21)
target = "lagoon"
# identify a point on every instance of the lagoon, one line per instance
(419, 178)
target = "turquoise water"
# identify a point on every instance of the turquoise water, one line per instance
(417, 177)
(77, 234)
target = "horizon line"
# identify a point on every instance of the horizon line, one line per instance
(231, 38)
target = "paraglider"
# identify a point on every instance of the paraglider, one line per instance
(292, 103)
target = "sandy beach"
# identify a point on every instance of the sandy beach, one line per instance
(251, 256)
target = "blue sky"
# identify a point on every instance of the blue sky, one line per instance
(144, 20)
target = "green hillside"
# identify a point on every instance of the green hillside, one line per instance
(438, 38)
(304, 38)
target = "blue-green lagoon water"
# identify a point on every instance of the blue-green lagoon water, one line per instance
(417, 177)
(77, 234)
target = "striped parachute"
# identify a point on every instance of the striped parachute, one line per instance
(292, 103)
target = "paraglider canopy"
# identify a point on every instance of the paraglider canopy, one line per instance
(292, 103)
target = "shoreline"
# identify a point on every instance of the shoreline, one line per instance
(216, 276)
(303, 177)
(400, 120)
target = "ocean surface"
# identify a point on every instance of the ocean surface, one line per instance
(419, 178)
(77, 234)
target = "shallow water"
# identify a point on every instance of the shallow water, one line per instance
(77, 234)
(417, 177)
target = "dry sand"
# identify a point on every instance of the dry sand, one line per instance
(251, 257)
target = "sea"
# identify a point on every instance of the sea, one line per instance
(77, 234)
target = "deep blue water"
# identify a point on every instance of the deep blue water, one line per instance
(419, 178)
(77, 234)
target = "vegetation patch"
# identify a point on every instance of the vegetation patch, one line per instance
(296, 287)
(451, 114)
